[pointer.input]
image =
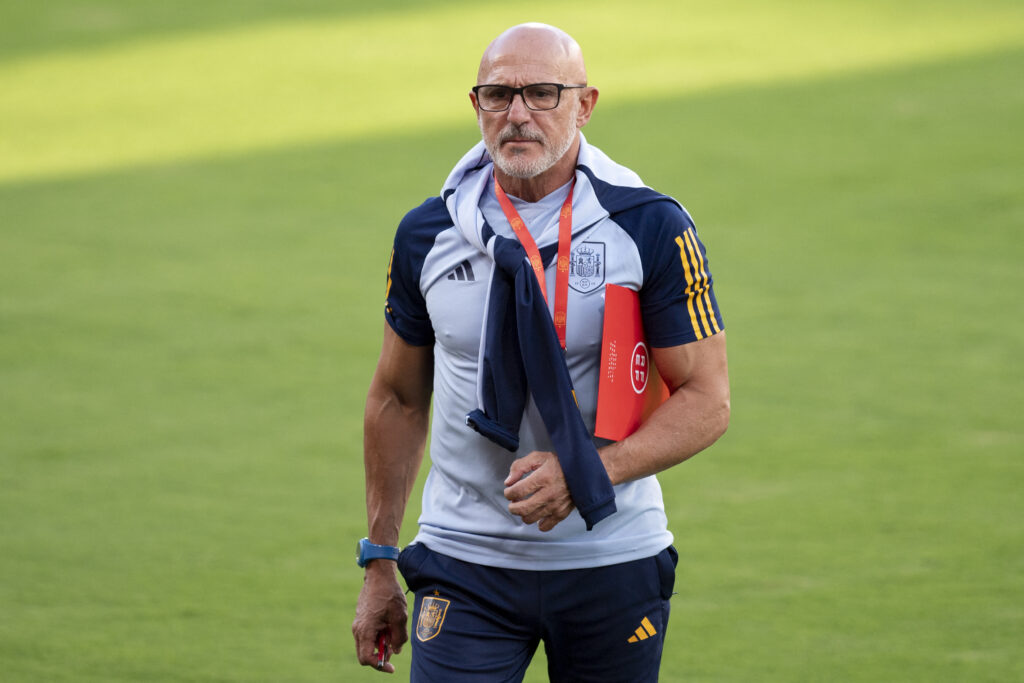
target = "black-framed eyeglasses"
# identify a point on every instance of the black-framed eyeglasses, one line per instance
(536, 96)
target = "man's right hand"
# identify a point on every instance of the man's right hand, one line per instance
(381, 607)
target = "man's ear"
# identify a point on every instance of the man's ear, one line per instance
(588, 100)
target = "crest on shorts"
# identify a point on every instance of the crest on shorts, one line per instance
(431, 619)
(586, 267)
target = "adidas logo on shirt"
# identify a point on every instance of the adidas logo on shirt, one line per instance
(463, 271)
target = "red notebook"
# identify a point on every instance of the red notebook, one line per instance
(630, 387)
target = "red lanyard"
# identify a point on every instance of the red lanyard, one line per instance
(564, 245)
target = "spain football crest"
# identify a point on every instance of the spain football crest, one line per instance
(586, 267)
(431, 619)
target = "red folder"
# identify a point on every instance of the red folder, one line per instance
(630, 387)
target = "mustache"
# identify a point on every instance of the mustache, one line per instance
(513, 131)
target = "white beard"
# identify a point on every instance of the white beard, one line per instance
(516, 165)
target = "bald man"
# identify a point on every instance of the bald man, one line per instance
(532, 529)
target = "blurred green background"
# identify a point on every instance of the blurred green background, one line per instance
(197, 201)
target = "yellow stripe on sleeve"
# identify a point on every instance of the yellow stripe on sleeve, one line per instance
(387, 290)
(701, 283)
(705, 288)
(689, 287)
(711, 311)
(707, 291)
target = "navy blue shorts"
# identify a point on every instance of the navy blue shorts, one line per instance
(477, 623)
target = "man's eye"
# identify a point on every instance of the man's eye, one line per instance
(541, 93)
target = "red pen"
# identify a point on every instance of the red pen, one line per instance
(383, 649)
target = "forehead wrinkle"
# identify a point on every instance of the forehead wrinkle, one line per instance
(517, 74)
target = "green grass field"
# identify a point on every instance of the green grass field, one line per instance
(196, 206)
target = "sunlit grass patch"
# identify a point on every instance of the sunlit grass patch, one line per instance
(273, 84)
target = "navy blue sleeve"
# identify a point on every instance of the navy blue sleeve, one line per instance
(405, 309)
(677, 299)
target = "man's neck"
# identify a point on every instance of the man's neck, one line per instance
(541, 185)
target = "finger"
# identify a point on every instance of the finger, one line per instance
(523, 466)
(552, 510)
(368, 656)
(543, 506)
(387, 667)
(527, 512)
(528, 496)
(541, 475)
(550, 522)
(524, 488)
(396, 637)
(366, 634)
(365, 649)
(536, 507)
(545, 496)
(540, 489)
(517, 470)
(399, 637)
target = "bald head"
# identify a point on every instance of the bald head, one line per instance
(539, 48)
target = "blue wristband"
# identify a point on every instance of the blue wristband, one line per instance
(366, 551)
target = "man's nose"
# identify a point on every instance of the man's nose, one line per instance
(518, 112)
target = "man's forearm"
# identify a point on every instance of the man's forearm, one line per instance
(393, 443)
(687, 423)
(692, 418)
(394, 435)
